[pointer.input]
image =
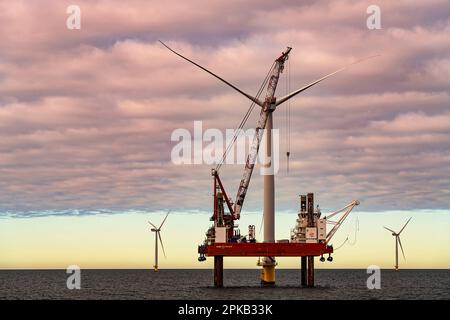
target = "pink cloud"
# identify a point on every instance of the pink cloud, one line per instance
(86, 116)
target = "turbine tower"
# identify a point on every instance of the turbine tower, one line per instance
(398, 242)
(157, 232)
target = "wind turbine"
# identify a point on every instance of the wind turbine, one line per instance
(157, 231)
(397, 242)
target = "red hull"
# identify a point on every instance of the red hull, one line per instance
(248, 249)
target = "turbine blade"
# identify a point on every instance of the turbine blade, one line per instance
(292, 94)
(389, 229)
(152, 225)
(400, 243)
(404, 225)
(164, 219)
(162, 245)
(255, 100)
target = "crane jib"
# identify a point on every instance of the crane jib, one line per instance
(268, 106)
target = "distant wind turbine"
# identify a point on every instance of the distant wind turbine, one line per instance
(158, 236)
(397, 242)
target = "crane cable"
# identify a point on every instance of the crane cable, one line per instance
(286, 119)
(244, 120)
(356, 232)
(261, 225)
(347, 239)
(288, 116)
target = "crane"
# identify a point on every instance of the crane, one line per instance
(269, 105)
(223, 229)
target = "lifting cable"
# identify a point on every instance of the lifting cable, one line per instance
(244, 120)
(261, 225)
(288, 116)
(347, 239)
(356, 232)
(286, 92)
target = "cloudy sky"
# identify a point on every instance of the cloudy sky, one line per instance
(86, 115)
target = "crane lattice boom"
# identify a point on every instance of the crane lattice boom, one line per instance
(267, 107)
(348, 208)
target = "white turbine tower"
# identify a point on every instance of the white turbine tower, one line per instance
(397, 242)
(157, 232)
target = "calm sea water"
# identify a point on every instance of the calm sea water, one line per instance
(239, 284)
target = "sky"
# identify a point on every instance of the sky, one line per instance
(86, 118)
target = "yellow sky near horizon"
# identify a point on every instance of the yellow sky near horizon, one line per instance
(125, 241)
